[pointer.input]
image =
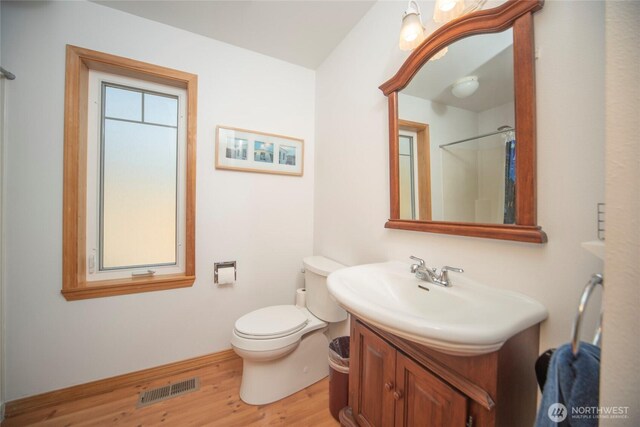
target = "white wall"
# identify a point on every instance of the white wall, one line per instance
(620, 380)
(502, 115)
(2, 181)
(262, 221)
(459, 183)
(2, 246)
(352, 191)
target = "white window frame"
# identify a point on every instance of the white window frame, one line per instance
(414, 158)
(94, 123)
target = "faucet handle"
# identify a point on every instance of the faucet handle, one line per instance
(420, 260)
(444, 274)
(454, 269)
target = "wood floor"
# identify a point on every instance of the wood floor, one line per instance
(216, 403)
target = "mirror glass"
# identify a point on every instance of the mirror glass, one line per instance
(456, 142)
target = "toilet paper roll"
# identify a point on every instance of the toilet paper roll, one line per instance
(301, 297)
(226, 275)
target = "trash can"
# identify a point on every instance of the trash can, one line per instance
(338, 375)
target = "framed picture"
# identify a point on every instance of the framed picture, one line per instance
(251, 151)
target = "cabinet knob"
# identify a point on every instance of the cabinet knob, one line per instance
(397, 395)
(389, 386)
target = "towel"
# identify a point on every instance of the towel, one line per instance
(571, 392)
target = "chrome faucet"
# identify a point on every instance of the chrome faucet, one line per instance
(432, 275)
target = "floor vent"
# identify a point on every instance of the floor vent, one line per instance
(168, 391)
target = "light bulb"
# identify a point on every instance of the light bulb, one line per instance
(442, 52)
(412, 31)
(447, 5)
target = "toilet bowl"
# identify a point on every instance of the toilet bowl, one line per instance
(284, 347)
(279, 364)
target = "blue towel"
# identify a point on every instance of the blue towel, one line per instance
(571, 393)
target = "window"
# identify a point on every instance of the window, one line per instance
(129, 176)
(408, 176)
(135, 178)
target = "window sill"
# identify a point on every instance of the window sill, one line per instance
(109, 288)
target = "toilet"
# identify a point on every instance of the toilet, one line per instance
(284, 348)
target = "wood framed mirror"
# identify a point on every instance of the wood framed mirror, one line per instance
(477, 175)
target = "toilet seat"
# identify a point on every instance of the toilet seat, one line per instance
(271, 322)
(265, 343)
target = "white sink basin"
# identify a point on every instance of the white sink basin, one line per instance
(466, 318)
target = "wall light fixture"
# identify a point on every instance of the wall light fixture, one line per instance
(412, 30)
(446, 10)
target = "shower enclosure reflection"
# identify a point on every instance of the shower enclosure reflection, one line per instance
(478, 178)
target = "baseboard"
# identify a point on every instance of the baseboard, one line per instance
(31, 403)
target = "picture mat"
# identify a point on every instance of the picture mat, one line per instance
(292, 146)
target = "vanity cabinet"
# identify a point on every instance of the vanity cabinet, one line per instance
(423, 399)
(395, 382)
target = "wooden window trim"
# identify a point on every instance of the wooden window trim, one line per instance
(74, 278)
(424, 158)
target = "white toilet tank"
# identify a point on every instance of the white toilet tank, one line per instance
(319, 302)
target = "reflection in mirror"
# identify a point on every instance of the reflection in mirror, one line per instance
(408, 181)
(457, 147)
(414, 173)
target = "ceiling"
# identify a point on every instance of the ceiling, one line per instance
(487, 56)
(302, 32)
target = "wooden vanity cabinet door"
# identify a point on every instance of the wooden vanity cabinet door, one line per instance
(374, 373)
(424, 400)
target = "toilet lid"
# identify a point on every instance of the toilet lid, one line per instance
(271, 322)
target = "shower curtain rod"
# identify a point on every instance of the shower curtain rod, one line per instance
(477, 137)
(7, 74)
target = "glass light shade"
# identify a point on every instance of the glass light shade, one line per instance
(442, 52)
(465, 87)
(412, 31)
(446, 10)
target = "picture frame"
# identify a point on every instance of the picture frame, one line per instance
(252, 151)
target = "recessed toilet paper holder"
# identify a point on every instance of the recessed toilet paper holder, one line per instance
(225, 264)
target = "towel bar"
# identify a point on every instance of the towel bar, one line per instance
(595, 280)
